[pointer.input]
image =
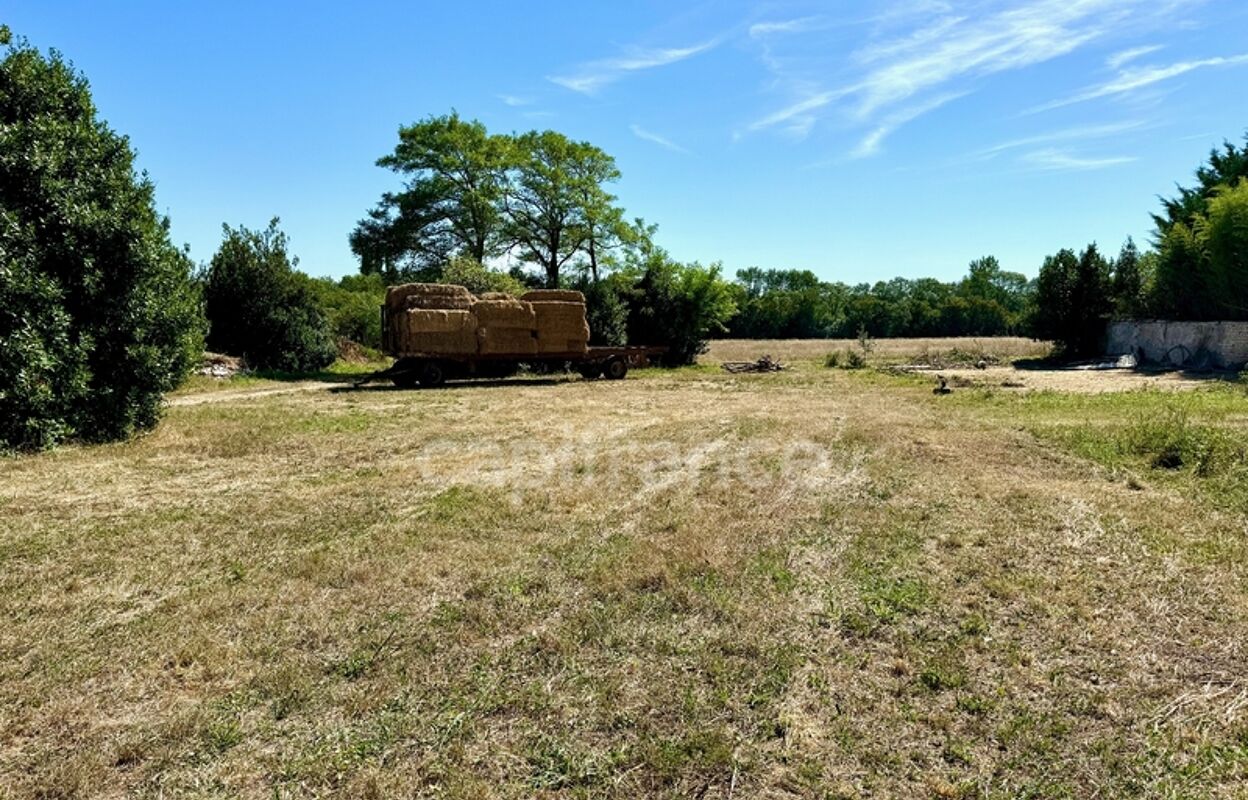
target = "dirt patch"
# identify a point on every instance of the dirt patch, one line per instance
(1067, 380)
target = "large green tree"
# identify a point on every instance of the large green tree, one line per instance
(455, 174)
(557, 204)
(98, 313)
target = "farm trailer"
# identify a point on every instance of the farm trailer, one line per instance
(413, 368)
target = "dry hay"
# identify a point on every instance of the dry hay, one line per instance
(457, 343)
(553, 295)
(500, 340)
(550, 344)
(496, 296)
(428, 295)
(440, 321)
(510, 313)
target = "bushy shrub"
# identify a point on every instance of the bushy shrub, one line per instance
(98, 313)
(352, 306)
(259, 308)
(606, 312)
(676, 305)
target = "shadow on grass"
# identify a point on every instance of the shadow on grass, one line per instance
(322, 375)
(485, 383)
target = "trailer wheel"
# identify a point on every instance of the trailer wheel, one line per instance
(590, 371)
(433, 374)
(615, 369)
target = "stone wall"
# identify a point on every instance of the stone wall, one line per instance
(1192, 345)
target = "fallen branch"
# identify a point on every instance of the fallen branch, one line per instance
(764, 364)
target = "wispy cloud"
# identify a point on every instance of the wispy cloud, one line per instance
(1123, 56)
(1052, 159)
(870, 144)
(800, 25)
(591, 77)
(515, 101)
(1079, 133)
(1134, 79)
(661, 141)
(898, 77)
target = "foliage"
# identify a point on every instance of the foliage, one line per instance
(478, 278)
(480, 195)
(1127, 284)
(795, 304)
(606, 312)
(556, 200)
(351, 305)
(260, 308)
(98, 313)
(451, 202)
(1202, 239)
(676, 305)
(1074, 301)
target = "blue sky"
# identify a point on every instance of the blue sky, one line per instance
(861, 140)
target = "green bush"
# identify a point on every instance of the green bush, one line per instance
(675, 305)
(259, 308)
(479, 278)
(832, 360)
(352, 306)
(606, 312)
(99, 316)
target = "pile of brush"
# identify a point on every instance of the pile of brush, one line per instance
(764, 364)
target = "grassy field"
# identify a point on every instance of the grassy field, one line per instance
(819, 583)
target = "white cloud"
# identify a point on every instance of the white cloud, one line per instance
(591, 77)
(642, 133)
(898, 76)
(514, 101)
(1079, 133)
(1123, 56)
(800, 25)
(1054, 160)
(870, 144)
(1130, 80)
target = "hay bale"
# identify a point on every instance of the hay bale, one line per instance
(439, 302)
(440, 321)
(496, 296)
(558, 314)
(426, 295)
(454, 343)
(510, 313)
(553, 295)
(500, 340)
(570, 345)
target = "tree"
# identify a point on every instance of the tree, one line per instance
(1225, 167)
(99, 316)
(557, 204)
(259, 308)
(451, 202)
(1074, 301)
(1223, 233)
(1128, 282)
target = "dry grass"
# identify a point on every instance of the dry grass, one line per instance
(1004, 348)
(811, 584)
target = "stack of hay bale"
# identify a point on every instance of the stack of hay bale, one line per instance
(561, 323)
(441, 319)
(505, 326)
(432, 318)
